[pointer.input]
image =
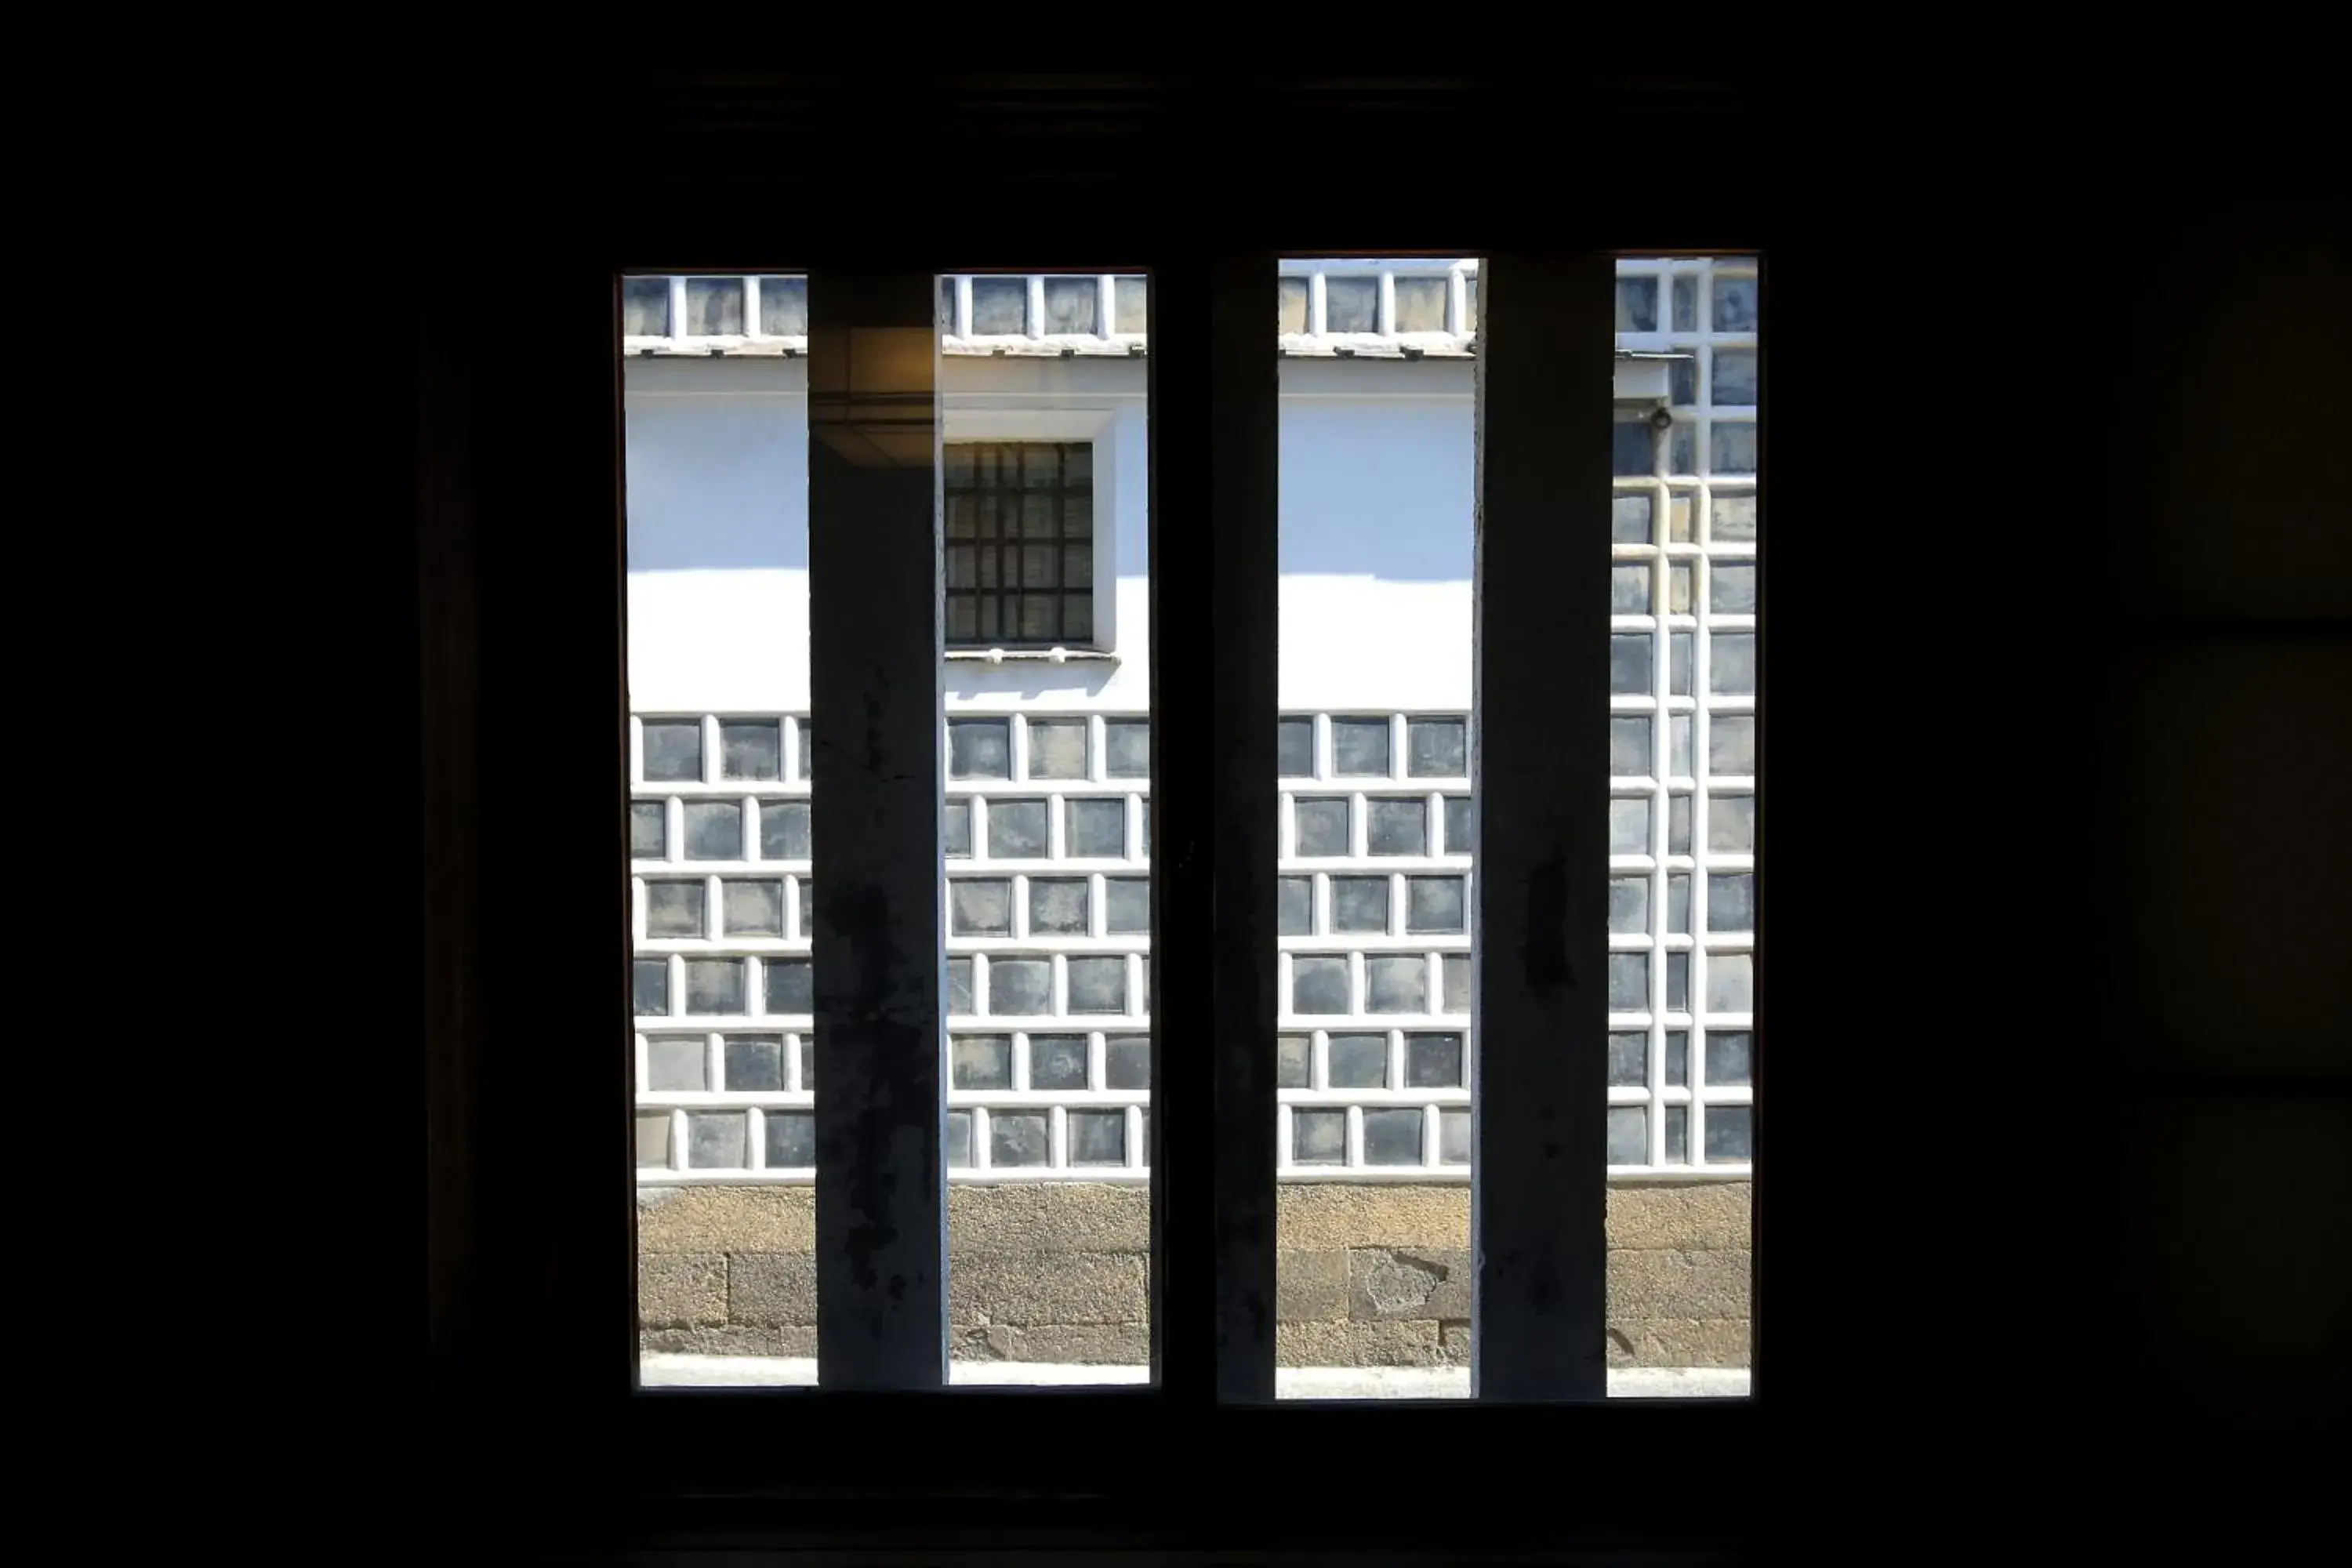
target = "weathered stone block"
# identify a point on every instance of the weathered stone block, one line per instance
(1034, 1217)
(1386, 1284)
(1700, 1216)
(726, 1219)
(1358, 1345)
(1657, 1285)
(772, 1289)
(1721, 1341)
(1028, 1289)
(1080, 1344)
(1310, 1286)
(729, 1340)
(681, 1289)
(1328, 1215)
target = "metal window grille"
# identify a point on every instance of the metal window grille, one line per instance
(1020, 542)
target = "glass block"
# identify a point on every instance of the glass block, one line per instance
(1679, 597)
(1731, 517)
(1420, 304)
(983, 906)
(1356, 1061)
(1735, 305)
(1629, 588)
(1319, 1137)
(955, 830)
(1678, 825)
(1295, 906)
(1396, 983)
(1360, 903)
(1019, 1138)
(1735, 376)
(1629, 1135)
(804, 744)
(792, 1141)
(1678, 745)
(1321, 826)
(791, 985)
(784, 829)
(676, 1062)
(1459, 836)
(1629, 1058)
(1470, 303)
(1000, 307)
(1628, 745)
(1637, 304)
(959, 985)
(1678, 982)
(1319, 984)
(1731, 902)
(714, 830)
(653, 1139)
(1731, 824)
(1629, 981)
(673, 909)
(1685, 304)
(1732, 743)
(1097, 984)
(1131, 304)
(1057, 748)
(980, 749)
(805, 1055)
(1351, 304)
(1731, 587)
(1629, 825)
(1454, 971)
(1629, 906)
(752, 908)
(1360, 747)
(1437, 748)
(1127, 906)
(1393, 1137)
(1127, 748)
(1632, 449)
(1295, 747)
(1730, 982)
(1677, 1135)
(1732, 449)
(1629, 664)
(1097, 1137)
(648, 830)
(1730, 1059)
(1629, 517)
(959, 1139)
(1679, 654)
(1023, 986)
(714, 985)
(783, 305)
(1017, 830)
(755, 1064)
(649, 987)
(644, 307)
(1678, 899)
(1293, 1061)
(1682, 383)
(1073, 305)
(1127, 1061)
(1731, 664)
(1730, 1133)
(1452, 1136)
(1097, 828)
(674, 749)
(1679, 504)
(1677, 1063)
(1291, 305)
(752, 749)
(714, 307)
(716, 1140)
(1682, 450)
(1057, 1061)
(1399, 827)
(1433, 1061)
(1438, 904)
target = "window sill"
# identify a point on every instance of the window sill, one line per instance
(1030, 655)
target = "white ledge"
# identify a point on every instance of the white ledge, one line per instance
(1030, 655)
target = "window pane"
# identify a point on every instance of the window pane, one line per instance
(1029, 506)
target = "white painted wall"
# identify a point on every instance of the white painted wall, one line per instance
(1377, 470)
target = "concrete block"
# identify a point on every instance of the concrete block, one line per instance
(1662, 1286)
(772, 1289)
(1310, 1286)
(1395, 1283)
(726, 1219)
(1701, 1217)
(1358, 1345)
(1026, 1288)
(1080, 1344)
(677, 1289)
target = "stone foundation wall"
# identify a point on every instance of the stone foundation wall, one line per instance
(1370, 1275)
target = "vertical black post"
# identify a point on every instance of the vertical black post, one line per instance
(1540, 767)
(875, 660)
(1213, 630)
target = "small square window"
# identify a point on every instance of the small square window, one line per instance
(1019, 566)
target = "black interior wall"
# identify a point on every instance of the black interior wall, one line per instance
(2055, 1002)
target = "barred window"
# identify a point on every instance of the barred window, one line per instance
(1020, 544)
